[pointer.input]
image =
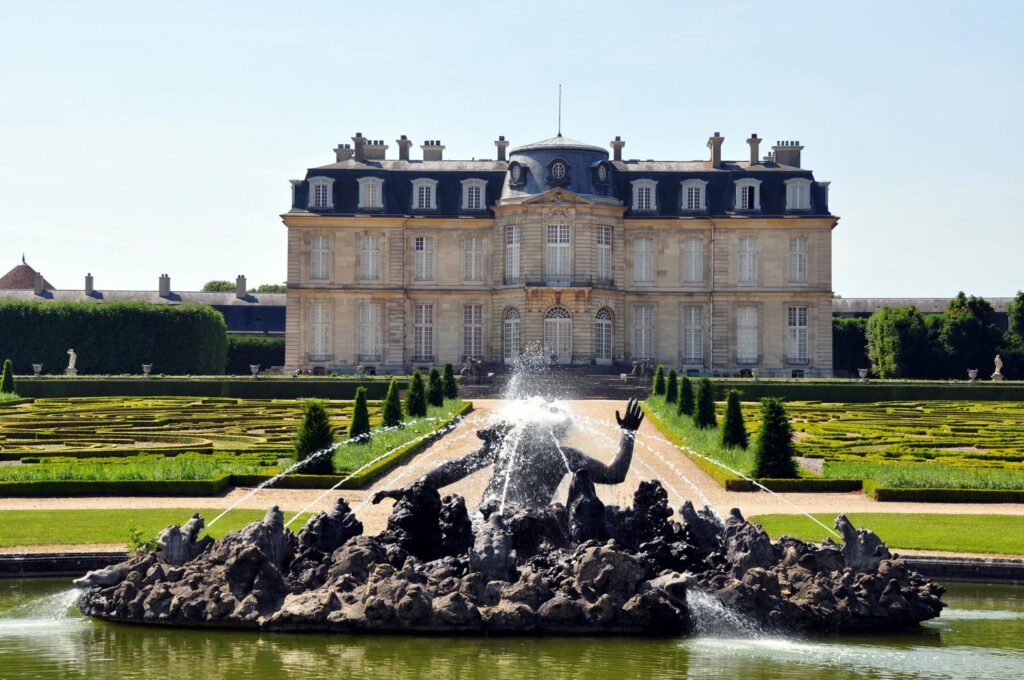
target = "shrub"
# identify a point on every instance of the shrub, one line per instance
(672, 387)
(897, 342)
(416, 398)
(435, 389)
(7, 379)
(451, 387)
(137, 541)
(392, 414)
(315, 434)
(773, 451)
(244, 350)
(704, 413)
(734, 432)
(686, 397)
(360, 423)
(849, 344)
(659, 381)
(218, 286)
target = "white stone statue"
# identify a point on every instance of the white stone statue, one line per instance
(998, 375)
(72, 358)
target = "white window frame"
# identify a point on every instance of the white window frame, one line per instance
(558, 253)
(510, 336)
(423, 332)
(741, 186)
(321, 193)
(473, 331)
(320, 331)
(513, 249)
(798, 335)
(693, 335)
(473, 259)
(369, 332)
(604, 254)
(747, 269)
(604, 337)
(693, 259)
(747, 334)
(424, 194)
(369, 258)
(643, 331)
(798, 259)
(320, 256)
(640, 203)
(699, 189)
(798, 194)
(423, 252)
(643, 259)
(371, 193)
(558, 330)
(474, 195)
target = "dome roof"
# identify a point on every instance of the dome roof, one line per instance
(559, 142)
(22, 277)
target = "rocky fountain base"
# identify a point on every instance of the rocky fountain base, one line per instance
(582, 569)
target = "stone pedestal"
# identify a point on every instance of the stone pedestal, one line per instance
(972, 374)
(37, 370)
(71, 372)
(997, 376)
(863, 373)
(147, 369)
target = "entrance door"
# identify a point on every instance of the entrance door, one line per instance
(558, 335)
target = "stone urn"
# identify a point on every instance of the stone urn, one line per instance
(972, 374)
(37, 370)
(863, 373)
(255, 368)
(755, 374)
(147, 369)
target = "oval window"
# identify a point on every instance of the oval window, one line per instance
(517, 173)
(602, 172)
(558, 170)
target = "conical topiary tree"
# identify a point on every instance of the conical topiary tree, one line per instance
(315, 435)
(773, 450)
(734, 432)
(435, 389)
(704, 413)
(672, 387)
(659, 381)
(360, 425)
(451, 387)
(416, 399)
(392, 414)
(686, 397)
(7, 379)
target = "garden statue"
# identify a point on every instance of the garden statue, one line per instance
(72, 360)
(998, 375)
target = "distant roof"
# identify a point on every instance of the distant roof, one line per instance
(418, 166)
(559, 142)
(925, 305)
(175, 298)
(22, 277)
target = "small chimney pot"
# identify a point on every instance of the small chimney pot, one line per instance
(502, 148)
(165, 286)
(404, 144)
(89, 290)
(715, 144)
(617, 145)
(240, 289)
(755, 148)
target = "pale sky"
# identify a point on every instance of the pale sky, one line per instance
(142, 138)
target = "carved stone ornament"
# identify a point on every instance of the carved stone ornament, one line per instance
(560, 213)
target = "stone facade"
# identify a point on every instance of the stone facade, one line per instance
(576, 261)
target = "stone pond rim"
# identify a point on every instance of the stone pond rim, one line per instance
(584, 569)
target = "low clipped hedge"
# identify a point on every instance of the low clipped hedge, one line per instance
(163, 487)
(238, 388)
(853, 392)
(888, 494)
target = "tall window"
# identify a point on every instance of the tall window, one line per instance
(320, 257)
(424, 194)
(371, 193)
(604, 254)
(798, 260)
(643, 195)
(369, 332)
(423, 332)
(693, 334)
(693, 195)
(473, 194)
(643, 260)
(643, 332)
(603, 336)
(558, 334)
(512, 237)
(424, 249)
(796, 335)
(798, 194)
(748, 260)
(473, 259)
(748, 194)
(559, 254)
(510, 336)
(369, 258)
(746, 334)
(321, 192)
(693, 260)
(473, 331)
(320, 331)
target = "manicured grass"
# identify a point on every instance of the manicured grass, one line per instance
(8, 396)
(995, 534)
(92, 527)
(187, 466)
(707, 441)
(927, 475)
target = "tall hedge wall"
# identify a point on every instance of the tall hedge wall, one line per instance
(113, 337)
(244, 350)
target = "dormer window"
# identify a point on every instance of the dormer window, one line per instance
(748, 194)
(693, 197)
(516, 175)
(473, 194)
(558, 173)
(371, 193)
(558, 170)
(644, 199)
(798, 194)
(424, 194)
(601, 174)
(321, 193)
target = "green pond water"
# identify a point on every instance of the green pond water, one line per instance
(980, 635)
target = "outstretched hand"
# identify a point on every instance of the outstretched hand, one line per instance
(395, 494)
(634, 416)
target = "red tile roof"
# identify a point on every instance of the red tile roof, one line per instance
(22, 277)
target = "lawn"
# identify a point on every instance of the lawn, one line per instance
(708, 441)
(993, 534)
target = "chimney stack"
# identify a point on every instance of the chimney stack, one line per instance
(715, 144)
(375, 149)
(360, 147)
(404, 144)
(755, 148)
(432, 150)
(617, 145)
(165, 286)
(502, 147)
(88, 285)
(37, 284)
(342, 152)
(240, 292)
(787, 153)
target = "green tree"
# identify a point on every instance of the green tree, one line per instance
(897, 342)
(704, 414)
(686, 397)
(416, 398)
(773, 450)
(659, 381)
(849, 344)
(969, 337)
(360, 424)
(672, 387)
(734, 432)
(435, 389)
(451, 386)
(269, 288)
(392, 414)
(1015, 316)
(316, 434)
(218, 286)
(7, 378)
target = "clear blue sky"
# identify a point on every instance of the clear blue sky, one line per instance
(141, 138)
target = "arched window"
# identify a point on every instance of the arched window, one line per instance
(424, 194)
(321, 193)
(510, 335)
(473, 194)
(644, 198)
(603, 337)
(748, 194)
(558, 335)
(798, 194)
(692, 198)
(371, 193)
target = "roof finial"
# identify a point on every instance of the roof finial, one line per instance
(23, 258)
(559, 109)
